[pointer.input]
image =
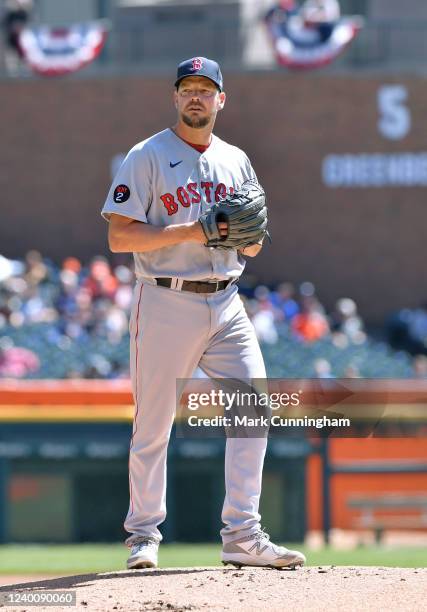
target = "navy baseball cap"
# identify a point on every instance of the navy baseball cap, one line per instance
(200, 66)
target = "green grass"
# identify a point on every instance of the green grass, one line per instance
(88, 558)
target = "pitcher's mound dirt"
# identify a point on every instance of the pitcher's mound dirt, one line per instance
(216, 589)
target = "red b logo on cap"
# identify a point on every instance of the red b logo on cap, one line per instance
(197, 63)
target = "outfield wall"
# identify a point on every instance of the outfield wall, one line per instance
(64, 450)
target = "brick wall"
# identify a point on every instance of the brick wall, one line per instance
(58, 138)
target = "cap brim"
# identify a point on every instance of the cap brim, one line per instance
(202, 75)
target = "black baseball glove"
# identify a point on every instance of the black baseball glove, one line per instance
(245, 213)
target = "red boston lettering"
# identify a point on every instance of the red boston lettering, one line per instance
(169, 202)
(191, 194)
(192, 189)
(220, 192)
(183, 197)
(207, 186)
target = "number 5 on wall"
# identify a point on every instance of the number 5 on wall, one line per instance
(395, 117)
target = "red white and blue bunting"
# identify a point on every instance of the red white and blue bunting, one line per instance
(298, 47)
(58, 51)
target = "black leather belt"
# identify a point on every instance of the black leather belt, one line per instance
(197, 286)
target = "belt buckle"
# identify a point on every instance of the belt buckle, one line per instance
(217, 285)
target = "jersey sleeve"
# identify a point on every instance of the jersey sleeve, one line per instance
(249, 171)
(252, 176)
(130, 194)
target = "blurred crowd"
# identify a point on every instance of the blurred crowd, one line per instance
(304, 314)
(76, 304)
(71, 321)
(407, 329)
(321, 344)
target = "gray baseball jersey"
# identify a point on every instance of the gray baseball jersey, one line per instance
(163, 181)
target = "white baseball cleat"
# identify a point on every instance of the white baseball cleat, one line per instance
(143, 553)
(257, 550)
